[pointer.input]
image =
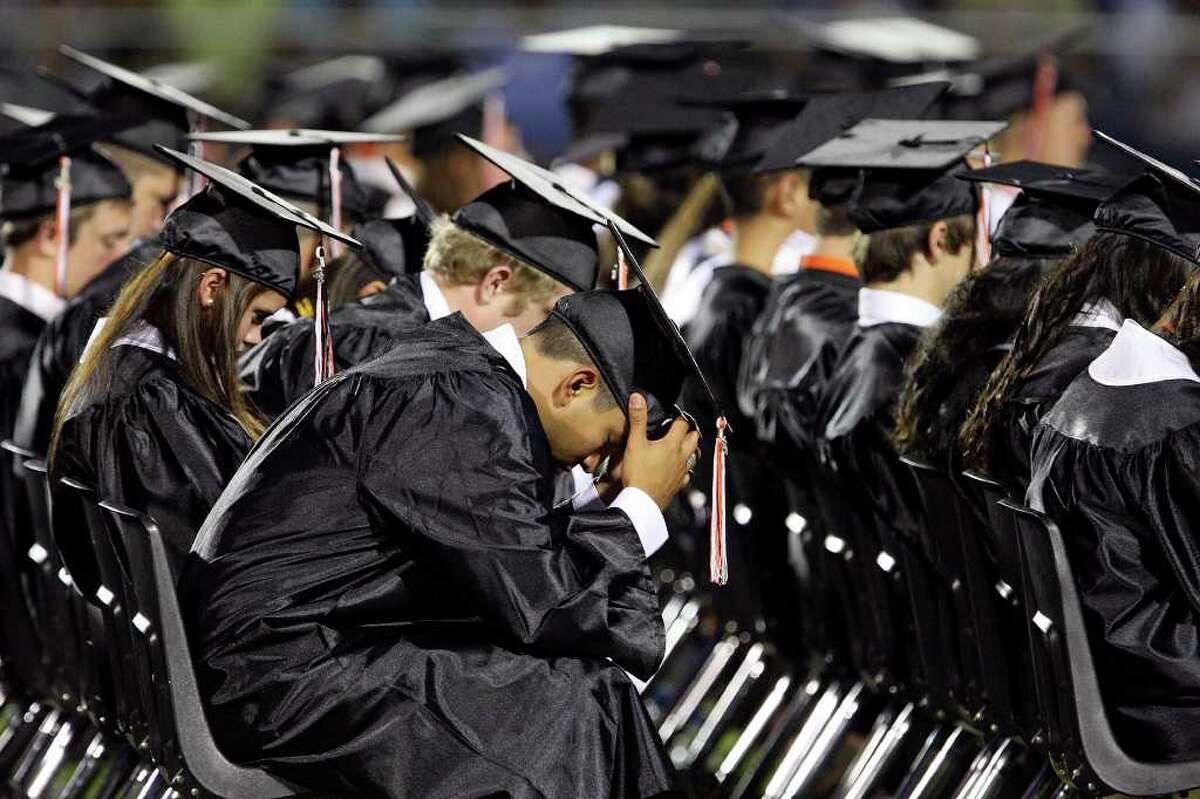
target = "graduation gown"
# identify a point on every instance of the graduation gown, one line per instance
(151, 442)
(280, 369)
(62, 342)
(1034, 396)
(19, 329)
(383, 602)
(1118, 468)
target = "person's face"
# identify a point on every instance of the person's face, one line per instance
(1068, 134)
(579, 432)
(99, 240)
(154, 191)
(250, 324)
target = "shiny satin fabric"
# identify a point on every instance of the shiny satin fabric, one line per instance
(61, 346)
(19, 330)
(150, 442)
(279, 370)
(1118, 468)
(383, 602)
(791, 352)
(1034, 396)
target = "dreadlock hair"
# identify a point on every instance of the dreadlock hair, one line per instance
(981, 313)
(1138, 277)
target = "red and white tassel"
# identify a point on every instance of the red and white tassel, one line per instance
(622, 270)
(62, 223)
(983, 220)
(324, 366)
(718, 565)
(335, 198)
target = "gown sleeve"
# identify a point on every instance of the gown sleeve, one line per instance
(460, 476)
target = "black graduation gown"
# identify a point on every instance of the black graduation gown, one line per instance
(280, 370)
(1118, 468)
(19, 329)
(791, 352)
(383, 603)
(729, 306)
(149, 441)
(61, 345)
(1034, 396)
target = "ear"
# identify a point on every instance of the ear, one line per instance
(374, 287)
(212, 282)
(492, 283)
(46, 239)
(935, 244)
(579, 383)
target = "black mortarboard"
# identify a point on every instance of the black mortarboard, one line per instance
(434, 112)
(25, 115)
(1053, 215)
(394, 247)
(336, 93)
(758, 119)
(238, 225)
(295, 164)
(894, 40)
(911, 167)
(827, 116)
(29, 163)
(150, 111)
(539, 220)
(1161, 207)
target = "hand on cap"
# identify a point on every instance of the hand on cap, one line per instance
(660, 468)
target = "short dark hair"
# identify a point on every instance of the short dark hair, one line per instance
(23, 231)
(834, 221)
(887, 254)
(557, 341)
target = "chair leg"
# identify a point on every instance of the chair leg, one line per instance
(805, 738)
(118, 767)
(28, 762)
(886, 740)
(40, 778)
(755, 728)
(852, 708)
(18, 733)
(692, 697)
(945, 756)
(760, 760)
(748, 671)
(141, 778)
(91, 759)
(976, 771)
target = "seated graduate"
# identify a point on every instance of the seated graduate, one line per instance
(391, 248)
(503, 258)
(46, 260)
(918, 221)
(1072, 318)
(1114, 466)
(152, 417)
(144, 114)
(1046, 224)
(385, 601)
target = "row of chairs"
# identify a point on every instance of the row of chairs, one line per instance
(948, 657)
(118, 713)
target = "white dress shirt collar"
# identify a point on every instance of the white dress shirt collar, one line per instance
(1137, 357)
(435, 300)
(880, 306)
(33, 297)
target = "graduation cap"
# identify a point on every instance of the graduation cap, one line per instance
(434, 112)
(638, 348)
(153, 112)
(1161, 207)
(540, 220)
(422, 208)
(895, 40)
(758, 119)
(911, 167)
(1053, 215)
(30, 163)
(299, 164)
(25, 115)
(597, 40)
(397, 247)
(238, 225)
(335, 93)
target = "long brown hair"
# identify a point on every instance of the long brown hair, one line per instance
(1183, 320)
(163, 294)
(1138, 277)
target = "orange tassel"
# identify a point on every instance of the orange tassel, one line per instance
(718, 565)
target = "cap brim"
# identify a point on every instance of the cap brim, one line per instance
(551, 188)
(903, 144)
(423, 210)
(296, 137)
(154, 88)
(1153, 163)
(248, 190)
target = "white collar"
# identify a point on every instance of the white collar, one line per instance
(879, 306)
(33, 297)
(435, 300)
(504, 341)
(1101, 313)
(1137, 356)
(140, 334)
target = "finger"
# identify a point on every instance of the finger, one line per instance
(637, 418)
(690, 442)
(678, 428)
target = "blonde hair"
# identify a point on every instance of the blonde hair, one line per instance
(461, 258)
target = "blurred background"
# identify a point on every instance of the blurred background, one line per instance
(1135, 61)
